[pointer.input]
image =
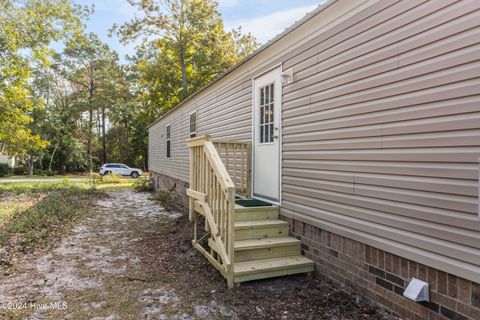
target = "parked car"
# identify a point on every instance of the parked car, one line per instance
(121, 169)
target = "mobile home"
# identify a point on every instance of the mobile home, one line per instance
(357, 133)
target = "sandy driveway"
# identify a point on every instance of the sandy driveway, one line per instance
(133, 260)
(93, 273)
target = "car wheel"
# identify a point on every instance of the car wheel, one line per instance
(134, 174)
(107, 173)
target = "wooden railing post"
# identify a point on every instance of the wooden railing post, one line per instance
(248, 185)
(231, 233)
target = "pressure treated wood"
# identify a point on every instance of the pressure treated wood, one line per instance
(212, 195)
(236, 234)
(275, 267)
(236, 156)
(256, 213)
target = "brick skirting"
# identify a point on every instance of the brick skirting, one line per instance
(382, 277)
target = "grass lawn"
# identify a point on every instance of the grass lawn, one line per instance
(144, 175)
(45, 177)
(33, 214)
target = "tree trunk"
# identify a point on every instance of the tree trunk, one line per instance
(119, 143)
(145, 158)
(184, 73)
(51, 158)
(40, 161)
(30, 165)
(104, 138)
(90, 125)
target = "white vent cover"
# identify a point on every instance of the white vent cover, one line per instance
(417, 290)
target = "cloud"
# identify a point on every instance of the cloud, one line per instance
(268, 26)
(228, 3)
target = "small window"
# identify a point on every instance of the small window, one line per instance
(193, 124)
(168, 141)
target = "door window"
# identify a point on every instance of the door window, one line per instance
(266, 115)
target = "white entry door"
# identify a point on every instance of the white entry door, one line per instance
(266, 144)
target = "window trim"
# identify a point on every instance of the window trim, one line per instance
(168, 141)
(192, 134)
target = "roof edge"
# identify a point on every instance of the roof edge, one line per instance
(308, 16)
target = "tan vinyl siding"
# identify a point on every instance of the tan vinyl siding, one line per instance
(380, 128)
(381, 134)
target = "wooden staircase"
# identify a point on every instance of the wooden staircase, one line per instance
(243, 243)
(262, 246)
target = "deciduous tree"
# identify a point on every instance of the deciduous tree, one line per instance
(184, 47)
(27, 27)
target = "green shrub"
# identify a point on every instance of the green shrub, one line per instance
(4, 169)
(37, 187)
(18, 171)
(166, 198)
(144, 185)
(45, 173)
(110, 178)
(38, 224)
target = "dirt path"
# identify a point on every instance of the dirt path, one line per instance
(93, 270)
(134, 260)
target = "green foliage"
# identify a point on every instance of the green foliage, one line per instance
(92, 67)
(18, 171)
(189, 49)
(37, 187)
(51, 209)
(26, 30)
(82, 108)
(111, 178)
(4, 170)
(144, 186)
(45, 173)
(166, 197)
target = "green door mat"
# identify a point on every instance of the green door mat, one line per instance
(252, 203)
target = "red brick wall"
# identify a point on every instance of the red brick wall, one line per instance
(382, 276)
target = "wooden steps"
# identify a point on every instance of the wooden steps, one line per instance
(255, 213)
(243, 242)
(262, 246)
(267, 248)
(269, 268)
(257, 229)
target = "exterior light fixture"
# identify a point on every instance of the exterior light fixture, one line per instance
(287, 76)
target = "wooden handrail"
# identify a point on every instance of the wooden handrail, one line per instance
(217, 165)
(212, 195)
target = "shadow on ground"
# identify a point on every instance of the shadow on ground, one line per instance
(131, 259)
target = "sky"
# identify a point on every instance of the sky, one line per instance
(263, 18)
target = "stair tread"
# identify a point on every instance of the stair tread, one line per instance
(265, 242)
(250, 224)
(258, 266)
(242, 208)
